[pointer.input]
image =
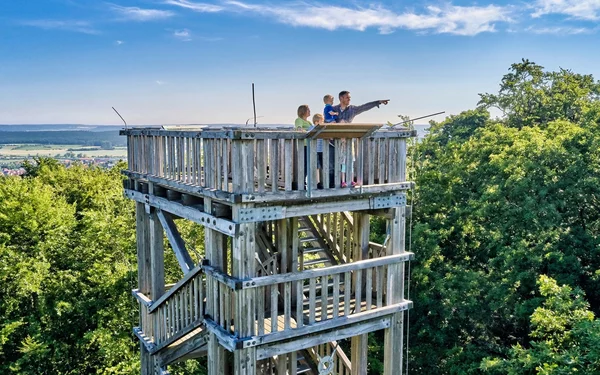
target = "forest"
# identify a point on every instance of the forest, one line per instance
(505, 230)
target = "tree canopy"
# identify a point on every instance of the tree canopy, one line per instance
(501, 203)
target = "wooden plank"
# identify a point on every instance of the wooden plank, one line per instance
(349, 162)
(347, 290)
(325, 166)
(257, 133)
(288, 159)
(319, 272)
(309, 342)
(312, 297)
(261, 162)
(187, 212)
(141, 297)
(287, 305)
(358, 191)
(336, 295)
(312, 166)
(194, 342)
(192, 189)
(274, 164)
(324, 296)
(337, 164)
(177, 244)
(327, 325)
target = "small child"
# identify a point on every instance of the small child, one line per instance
(330, 115)
(318, 119)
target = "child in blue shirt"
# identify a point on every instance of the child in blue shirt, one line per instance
(328, 112)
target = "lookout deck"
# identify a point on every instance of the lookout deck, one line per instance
(288, 268)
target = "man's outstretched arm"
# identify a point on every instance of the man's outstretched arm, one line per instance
(370, 105)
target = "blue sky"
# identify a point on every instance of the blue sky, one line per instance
(183, 61)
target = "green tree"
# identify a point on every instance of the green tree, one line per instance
(498, 203)
(565, 337)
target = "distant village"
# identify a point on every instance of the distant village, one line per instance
(101, 162)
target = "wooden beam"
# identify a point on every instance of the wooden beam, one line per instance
(174, 354)
(336, 193)
(326, 325)
(320, 272)
(361, 253)
(187, 278)
(394, 336)
(323, 337)
(209, 221)
(177, 244)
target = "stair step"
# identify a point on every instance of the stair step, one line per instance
(308, 239)
(311, 250)
(316, 261)
(303, 369)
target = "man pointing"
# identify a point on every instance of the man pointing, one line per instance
(347, 112)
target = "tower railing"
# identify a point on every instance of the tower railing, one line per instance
(274, 160)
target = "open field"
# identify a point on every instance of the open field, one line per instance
(53, 150)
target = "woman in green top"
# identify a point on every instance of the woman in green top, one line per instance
(302, 123)
(303, 114)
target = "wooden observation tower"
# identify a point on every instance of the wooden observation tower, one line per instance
(288, 270)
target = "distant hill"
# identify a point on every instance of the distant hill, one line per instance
(93, 135)
(58, 127)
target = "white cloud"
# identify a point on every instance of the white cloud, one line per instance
(184, 35)
(451, 19)
(560, 30)
(119, 42)
(196, 7)
(75, 26)
(140, 14)
(160, 83)
(577, 9)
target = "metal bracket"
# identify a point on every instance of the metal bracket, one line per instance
(249, 215)
(388, 201)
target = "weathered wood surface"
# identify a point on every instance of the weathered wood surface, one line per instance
(207, 162)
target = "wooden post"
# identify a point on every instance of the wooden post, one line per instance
(144, 280)
(361, 252)
(242, 256)
(394, 336)
(215, 252)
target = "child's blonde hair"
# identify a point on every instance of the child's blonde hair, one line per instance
(327, 98)
(318, 118)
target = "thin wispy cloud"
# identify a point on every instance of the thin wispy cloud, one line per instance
(140, 14)
(119, 42)
(184, 35)
(196, 7)
(160, 83)
(451, 19)
(73, 26)
(575, 9)
(560, 30)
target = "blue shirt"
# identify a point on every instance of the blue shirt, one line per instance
(328, 117)
(319, 141)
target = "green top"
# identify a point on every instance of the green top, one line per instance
(302, 124)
